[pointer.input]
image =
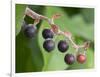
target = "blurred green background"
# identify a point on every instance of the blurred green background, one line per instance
(30, 55)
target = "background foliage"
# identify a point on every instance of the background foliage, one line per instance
(30, 55)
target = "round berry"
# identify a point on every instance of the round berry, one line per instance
(30, 31)
(48, 45)
(63, 46)
(69, 59)
(47, 33)
(81, 58)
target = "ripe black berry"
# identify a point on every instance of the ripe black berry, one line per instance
(30, 31)
(49, 45)
(63, 46)
(81, 58)
(47, 33)
(69, 59)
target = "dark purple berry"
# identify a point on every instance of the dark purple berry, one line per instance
(63, 46)
(48, 45)
(69, 59)
(47, 33)
(30, 31)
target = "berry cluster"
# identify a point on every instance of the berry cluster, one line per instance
(63, 46)
(70, 59)
(48, 44)
(48, 34)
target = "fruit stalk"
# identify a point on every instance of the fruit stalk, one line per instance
(54, 27)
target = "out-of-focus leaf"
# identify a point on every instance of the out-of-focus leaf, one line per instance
(37, 9)
(71, 10)
(20, 10)
(82, 29)
(88, 14)
(28, 55)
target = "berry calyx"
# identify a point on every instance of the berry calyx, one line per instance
(63, 46)
(81, 58)
(49, 45)
(47, 33)
(30, 31)
(69, 59)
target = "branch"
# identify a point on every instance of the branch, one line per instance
(55, 29)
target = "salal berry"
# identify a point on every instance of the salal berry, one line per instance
(81, 58)
(63, 46)
(30, 31)
(47, 33)
(69, 59)
(49, 45)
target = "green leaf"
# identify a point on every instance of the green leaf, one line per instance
(81, 28)
(88, 14)
(71, 10)
(20, 10)
(28, 55)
